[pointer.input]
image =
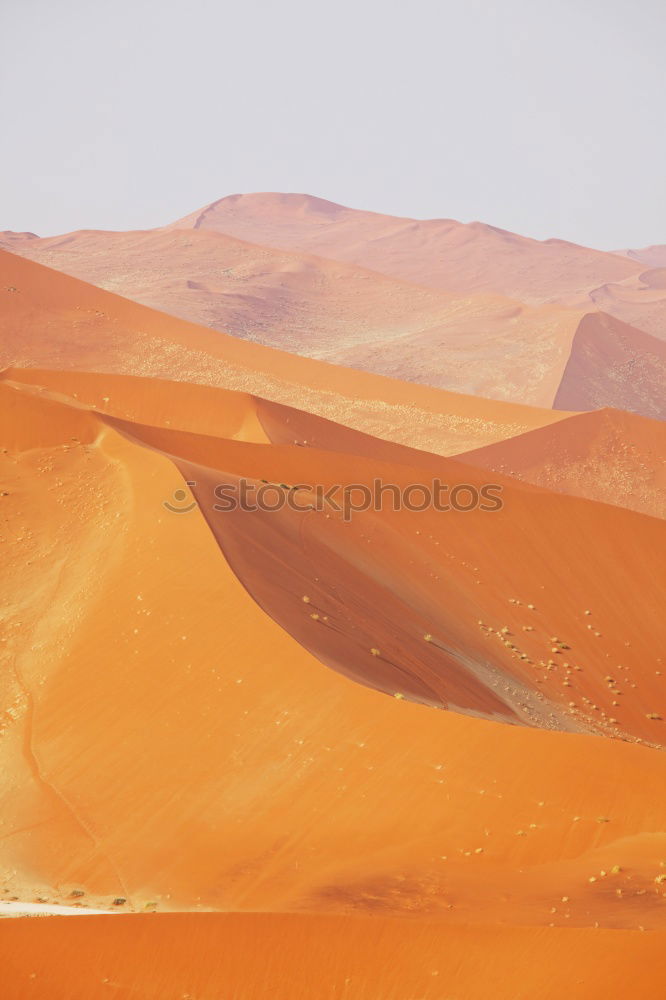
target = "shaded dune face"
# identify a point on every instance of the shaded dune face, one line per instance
(351, 612)
(613, 364)
(391, 579)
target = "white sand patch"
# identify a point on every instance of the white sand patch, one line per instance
(19, 909)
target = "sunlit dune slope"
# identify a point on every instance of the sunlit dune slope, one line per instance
(607, 455)
(251, 956)
(166, 741)
(48, 319)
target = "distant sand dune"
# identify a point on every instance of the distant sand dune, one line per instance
(466, 308)
(53, 321)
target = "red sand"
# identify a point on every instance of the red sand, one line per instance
(178, 745)
(247, 957)
(177, 728)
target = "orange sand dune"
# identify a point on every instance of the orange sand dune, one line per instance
(50, 320)
(273, 554)
(206, 410)
(441, 253)
(608, 455)
(176, 956)
(413, 754)
(165, 740)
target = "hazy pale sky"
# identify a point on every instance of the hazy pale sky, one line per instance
(545, 117)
